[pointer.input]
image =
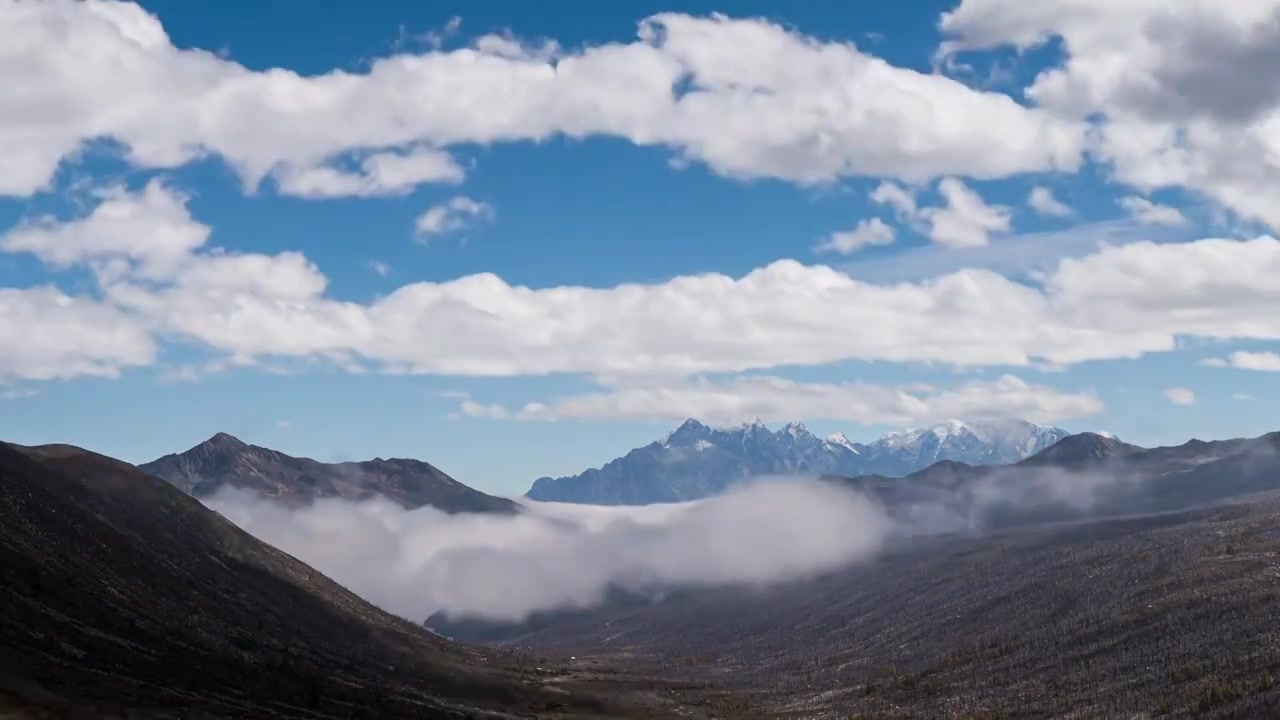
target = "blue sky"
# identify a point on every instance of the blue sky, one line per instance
(860, 219)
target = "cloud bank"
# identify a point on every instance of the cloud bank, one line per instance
(555, 556)
(815, 111)
(776, 398)
(158, 280)
(418, 562)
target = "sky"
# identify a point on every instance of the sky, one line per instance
(517, 242)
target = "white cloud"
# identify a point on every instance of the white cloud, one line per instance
(1042, 200)
(1264, 361)
(379, 267)
(18, 393)
(966, 220)
(902, 200)
(1118, 302)
(416, 563)
(46, 334)
(1214, 362)
(867, 232)
(384, 173)
(1184, 90)
(1242, 396)
(1180, 396)
(1149, 213)
(452, 215)
(152, 229)
(813, 112)
(775, 398)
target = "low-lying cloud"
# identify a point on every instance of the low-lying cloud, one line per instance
(556, 556)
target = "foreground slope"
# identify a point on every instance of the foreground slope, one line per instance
(119, 592)
(224, 461)
(1168, 615)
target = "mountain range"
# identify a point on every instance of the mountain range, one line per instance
(1084, 475)
(224, 461)
(697, 460)
(125, 597)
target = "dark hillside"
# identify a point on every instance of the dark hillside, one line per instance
(122, 596)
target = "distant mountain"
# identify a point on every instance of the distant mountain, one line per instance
(696, 460)
(1084, 475)
(123, 597)
(225, 461)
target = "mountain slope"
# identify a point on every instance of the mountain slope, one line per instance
(696, 460)
(122, 594)
(1085, 475)
(225, 461)
(1164, 616)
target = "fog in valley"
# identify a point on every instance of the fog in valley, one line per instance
(558, 556)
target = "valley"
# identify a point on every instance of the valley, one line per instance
(1091, 579)
(1170, 615)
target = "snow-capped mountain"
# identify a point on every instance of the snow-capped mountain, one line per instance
(696, 460)
(985, 443)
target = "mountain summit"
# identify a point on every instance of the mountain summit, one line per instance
(696, 460)
(226, 461)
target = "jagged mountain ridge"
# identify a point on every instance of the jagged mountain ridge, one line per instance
(226, 461)
(697, 460)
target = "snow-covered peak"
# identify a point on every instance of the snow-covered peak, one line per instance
(975, 442)
(689, 427)
(838, 438)
(944, 430)
(795, 429)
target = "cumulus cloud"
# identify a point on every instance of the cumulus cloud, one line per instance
(1150, 213)
(451, 216)
(902, 200)
(966, 220)
(1244, 360)
(46, 334)
(419, 562)
(1118, 302)
(774, 398)
(1180, 396)
(1182, 93)
(1043, 201)
(379, 174)
(867, 233)
(814, 112)
(151, 229)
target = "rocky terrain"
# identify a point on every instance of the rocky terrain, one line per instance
(1166, 615)
(696, 460)
(124, 597)
(223, 461)
(1094, 579)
